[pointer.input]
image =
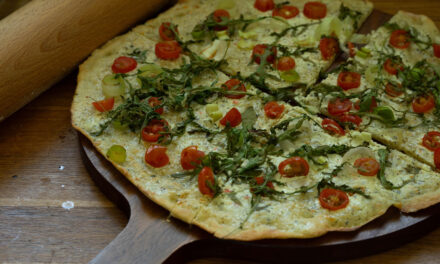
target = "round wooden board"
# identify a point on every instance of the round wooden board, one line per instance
(152, 236)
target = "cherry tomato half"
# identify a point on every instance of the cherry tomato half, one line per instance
(292, 167)
(260, 180)
(286, 12)
(392, 67)
(166, 33)
(338, 106)
(431, 140)
(264, 5)
(273, 110)
(315, 10)
(285, 63)
(124, 64)
(436, 48)
(219, 16)
(367, 166)
(333, 199)
(234, 85)
(393, 90)
(156, 156)
(206, 178)
(332, 127)
(191, 157)
(437, 159)
(259, 51)
(423, 104)
(153, 131)
(168, 50)
(104, 105)
(347, 118)
(400, 39)
(233, 118)
(155, 101)
(349, 80)
(328, 47)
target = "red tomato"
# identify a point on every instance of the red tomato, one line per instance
(328, 47)
(367, 166)
(166, 33)
(264, 5)
(437, 159)
(337, 106)
(315, 10)
(124, 64)
(333, 199)
(285, 63)
(168, 50)
(423, 104)
(156, 156)
(219, 15)
(286, 12)
(153, 131)
(260, 180)
(273, 110)
(349, 80)
(104, 105)
(392, 67)
(233, 118)
(351, 49)
(234, 85)
(372, 106)
(436, 48)
(332, 127)
(431, 140)
(155, 101)
(347, 118)
(259, 51)
(191, 157)
(393, 90)
(206, 177)
(292, 167)
(400, 39)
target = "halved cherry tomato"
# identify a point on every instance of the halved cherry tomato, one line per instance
(393, 90)
(206, 178)
(260, 180)
(367, 166)
(347, 118)
(315, 10)
(168, 50)
(155, 101)
(156, 156)
(153, 131)
(264, 5)
(191, 157)
(392, 67)
(273, 110)
(104, 105)
(436, 48)
(166, 33)
(292, 167)
(332, 127)
(285, 63)
(124, 64)
(349, 80)
(431, 140)
(372, 105)
(333, 199)
(328, 47)
(400, 39)
(337, 106)
(219, 16)
(286, 12)
(351, 49)
(423, 104)
(234, 85)
(233, 118)
(437, 159)
(259, 51)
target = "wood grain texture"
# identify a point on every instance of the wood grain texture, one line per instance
(35, 141)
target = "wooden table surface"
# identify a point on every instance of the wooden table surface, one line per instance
(41, 168)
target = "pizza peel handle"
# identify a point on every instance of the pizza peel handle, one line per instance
(44, 40)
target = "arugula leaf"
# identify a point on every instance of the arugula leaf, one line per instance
(249, 117)
(383, 160)
(345, 12)
(328, 183)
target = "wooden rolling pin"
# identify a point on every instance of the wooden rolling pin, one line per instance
(44, 40)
